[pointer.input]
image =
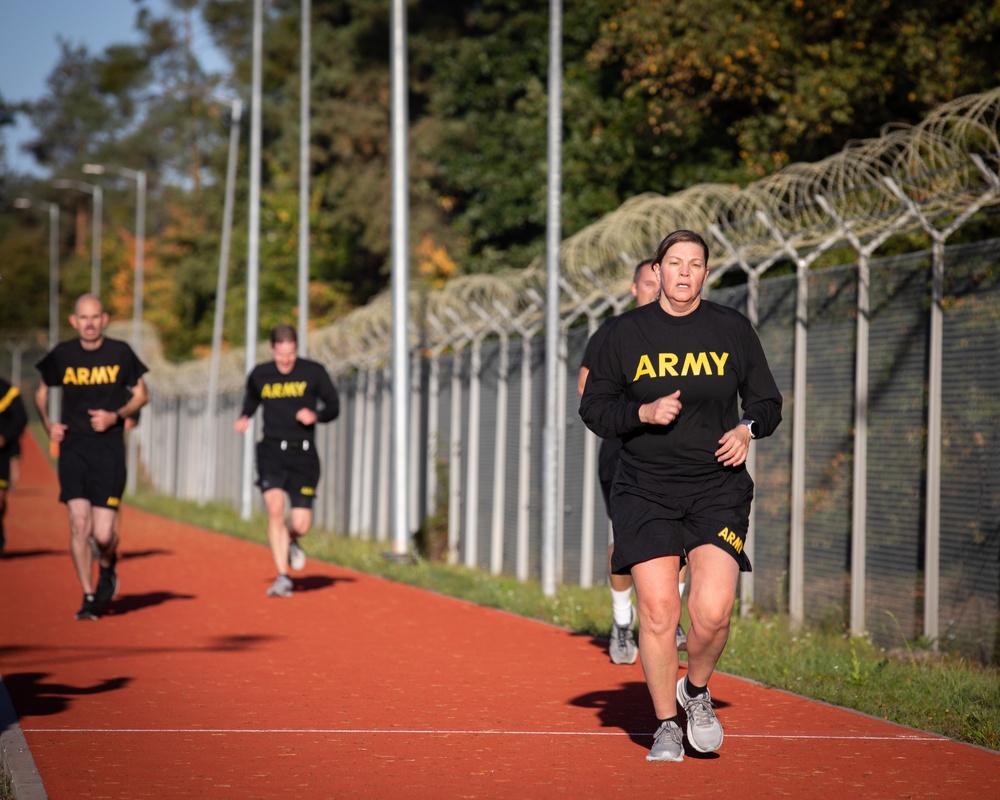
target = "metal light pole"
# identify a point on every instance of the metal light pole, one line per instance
(53, 209)
(139, 176)
(97, 191)
(207, 487)
(304, 181)
(400, 286)
(550, 459)
(253, 248)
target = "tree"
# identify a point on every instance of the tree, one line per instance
(657, 96)
(750, 87)
(146, 106)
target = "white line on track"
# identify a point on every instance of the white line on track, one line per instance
(382, 732)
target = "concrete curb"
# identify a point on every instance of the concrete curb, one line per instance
(15, 757)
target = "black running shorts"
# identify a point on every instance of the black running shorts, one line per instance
(92, 468)
(653, 519)
(294, 468)
(5, 457)
(11, 450)
(607, 465)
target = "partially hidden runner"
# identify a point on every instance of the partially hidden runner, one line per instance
(13, 419)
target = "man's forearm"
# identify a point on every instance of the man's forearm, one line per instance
(41, 405)
(138, 399)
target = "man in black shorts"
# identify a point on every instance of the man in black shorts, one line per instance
(296, 394)
(102, 385)
(13, 419)
(670, 380)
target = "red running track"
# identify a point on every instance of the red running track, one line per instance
(198, 685)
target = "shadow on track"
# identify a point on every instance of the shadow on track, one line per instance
(312, 583)
(126, 604)
(36, 698)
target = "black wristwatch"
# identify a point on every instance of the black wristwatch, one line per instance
(749, 423)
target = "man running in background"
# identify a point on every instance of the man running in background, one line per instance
(13, 420)
(102, 385)
(296, 394)
(645, 289)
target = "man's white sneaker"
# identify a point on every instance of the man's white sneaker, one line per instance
(622, 647)
(296, 556)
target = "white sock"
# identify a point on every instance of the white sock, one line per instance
(680, 587)
(621, 607)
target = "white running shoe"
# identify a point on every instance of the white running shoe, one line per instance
(296, 556)
(622, 647)
(703, 728)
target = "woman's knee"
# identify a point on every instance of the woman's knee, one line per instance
(714, 619)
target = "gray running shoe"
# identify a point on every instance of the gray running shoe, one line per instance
(682, 639)
(282, 587)
(296, 556)
(668, 743)
(703, 728)
(622, 648)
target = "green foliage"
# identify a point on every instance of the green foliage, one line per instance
(657, 96)
(25, 271)
(770, 84)
(6, 784)
(85, 98)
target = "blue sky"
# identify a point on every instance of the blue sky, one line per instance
(29, 51)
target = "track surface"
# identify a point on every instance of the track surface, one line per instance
(198, 685)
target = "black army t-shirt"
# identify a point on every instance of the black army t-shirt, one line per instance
(308, 385)
(91, 380)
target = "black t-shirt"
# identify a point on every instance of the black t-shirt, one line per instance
(91, 380)
(712, 355)
(609, 447)
(595, 342)
(12, 417)
(282, 396)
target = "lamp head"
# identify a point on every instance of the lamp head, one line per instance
(69, 183)
(94, 169)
